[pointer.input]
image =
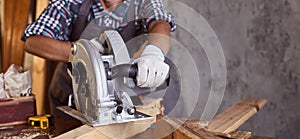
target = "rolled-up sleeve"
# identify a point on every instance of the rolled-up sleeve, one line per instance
(152, 10)
(54, 22)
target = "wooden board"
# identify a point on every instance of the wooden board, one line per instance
(234, 117)
(16, 110)
(123, 130)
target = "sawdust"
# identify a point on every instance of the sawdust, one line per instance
(25, 134)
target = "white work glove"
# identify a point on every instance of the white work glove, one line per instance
(152, 70)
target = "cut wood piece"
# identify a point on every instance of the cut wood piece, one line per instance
(151, 106)
(234, 117)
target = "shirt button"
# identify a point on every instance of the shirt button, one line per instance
(107, 21)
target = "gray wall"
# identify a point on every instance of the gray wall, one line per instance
(260, 39)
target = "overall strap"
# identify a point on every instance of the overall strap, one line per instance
(81, 22)
(128, 32)
(131, 30)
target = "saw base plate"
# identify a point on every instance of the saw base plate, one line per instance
(137, 116)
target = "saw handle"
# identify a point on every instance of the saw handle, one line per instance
(133, 71)
(128, 70)
(123, 70)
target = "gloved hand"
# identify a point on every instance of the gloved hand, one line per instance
(152, 70)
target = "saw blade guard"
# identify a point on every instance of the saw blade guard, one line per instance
(89, 79)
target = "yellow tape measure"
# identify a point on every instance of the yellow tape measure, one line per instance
(43, 121)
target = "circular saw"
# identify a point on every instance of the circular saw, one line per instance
(100, 69)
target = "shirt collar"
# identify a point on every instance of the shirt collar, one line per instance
(118, 13)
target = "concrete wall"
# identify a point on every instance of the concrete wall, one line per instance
(260, 39)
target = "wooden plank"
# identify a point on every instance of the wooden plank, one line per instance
(123, 130)
(234, 117)
(79, 132)
(39, 69)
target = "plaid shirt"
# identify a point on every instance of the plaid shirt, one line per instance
(55, 21)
